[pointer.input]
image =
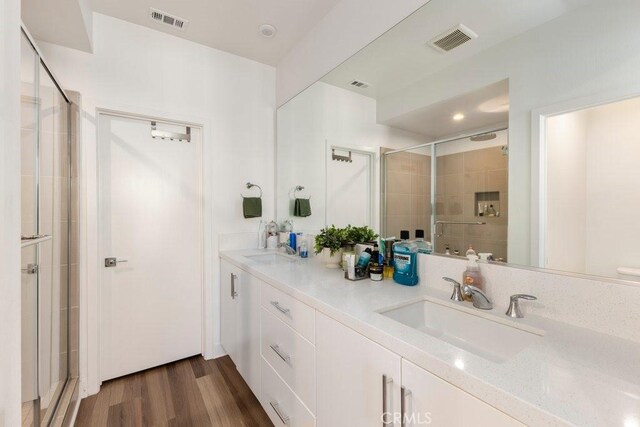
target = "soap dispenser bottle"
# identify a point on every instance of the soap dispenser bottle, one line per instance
(472, 276)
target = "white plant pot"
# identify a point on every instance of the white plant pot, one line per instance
(331, 261)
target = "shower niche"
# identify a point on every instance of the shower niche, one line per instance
(487, 203)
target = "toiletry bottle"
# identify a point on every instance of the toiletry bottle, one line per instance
(472, 276)
(304, 251)
(375, 254)
(447, 251)
(491, 211)
(405, 268)
(423, 246)
(470, 251)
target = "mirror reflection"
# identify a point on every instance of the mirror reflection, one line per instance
(507, 127)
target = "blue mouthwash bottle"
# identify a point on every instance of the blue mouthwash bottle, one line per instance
(405, 254)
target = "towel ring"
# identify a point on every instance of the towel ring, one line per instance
(250, 185)
(298, 188)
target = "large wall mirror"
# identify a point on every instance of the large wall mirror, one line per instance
(512, 127)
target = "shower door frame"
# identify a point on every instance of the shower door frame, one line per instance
(40, 65)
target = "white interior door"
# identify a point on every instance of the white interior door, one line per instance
(349, 198)
(150, 216)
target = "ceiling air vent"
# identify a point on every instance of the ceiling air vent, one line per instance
(166, 19)
(452, 38)
(359, 84)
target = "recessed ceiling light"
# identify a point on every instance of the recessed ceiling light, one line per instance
(457, 117)
(267, 30)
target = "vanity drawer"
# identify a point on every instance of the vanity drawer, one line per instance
(298, 315)
(291, 356)
(280, 403)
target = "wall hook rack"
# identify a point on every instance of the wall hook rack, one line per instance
(340, 158)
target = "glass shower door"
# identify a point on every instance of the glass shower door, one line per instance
(45, 185)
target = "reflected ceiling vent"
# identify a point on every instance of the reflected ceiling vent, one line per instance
(452, 38)
(166, 19)
(359, 84)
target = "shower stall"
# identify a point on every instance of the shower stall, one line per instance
(49, 260)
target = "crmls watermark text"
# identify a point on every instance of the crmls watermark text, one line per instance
(414, 418)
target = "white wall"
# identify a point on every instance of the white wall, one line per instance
(322, 116)
(592, 188)
(592, 49)
(566, 192)
(138, 70)
(10, 413)
(347, 28)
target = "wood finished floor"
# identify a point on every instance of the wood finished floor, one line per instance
(189, 392)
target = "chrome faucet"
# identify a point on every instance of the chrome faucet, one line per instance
(478, 297)
(457, 293)
(287, 248)
(514, 307)
(480, 300)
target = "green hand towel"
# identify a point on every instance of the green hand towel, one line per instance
(252, 207)
(302, 207)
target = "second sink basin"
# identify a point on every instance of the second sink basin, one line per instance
(272, 258)
(486, 338)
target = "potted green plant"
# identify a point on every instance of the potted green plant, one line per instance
(355, 235)
(329, 243)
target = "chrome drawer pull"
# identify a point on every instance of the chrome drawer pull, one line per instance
(404, 393)
(281, 309)
(276, 349)
(386, 381)
(276, 407)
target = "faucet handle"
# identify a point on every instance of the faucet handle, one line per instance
(457, 292)
(514, 306)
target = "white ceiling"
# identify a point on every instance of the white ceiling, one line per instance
(229, 25)
(401, 57)
(63, 22)
(485, 107)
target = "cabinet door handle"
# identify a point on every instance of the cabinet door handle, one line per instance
(276, 349)
(386, 416)
(234, 294)
(280, 308)
(404, 393)
(276, 407)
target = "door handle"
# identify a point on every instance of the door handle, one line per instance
(280, 308)
(113, 261)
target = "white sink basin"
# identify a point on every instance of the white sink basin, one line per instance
(272, 258)
(486, 338)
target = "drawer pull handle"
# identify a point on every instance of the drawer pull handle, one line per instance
(386, 381)
(404, 393)
(276, 407)
(276, 349)
(281, 309)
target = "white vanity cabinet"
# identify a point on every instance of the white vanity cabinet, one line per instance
(429, 400)
(307, 369)
(351, 374)
(240, 321)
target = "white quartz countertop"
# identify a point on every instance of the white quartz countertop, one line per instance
(568, 376)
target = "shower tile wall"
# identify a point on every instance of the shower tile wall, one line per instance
(408, 193)
(458, 177)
